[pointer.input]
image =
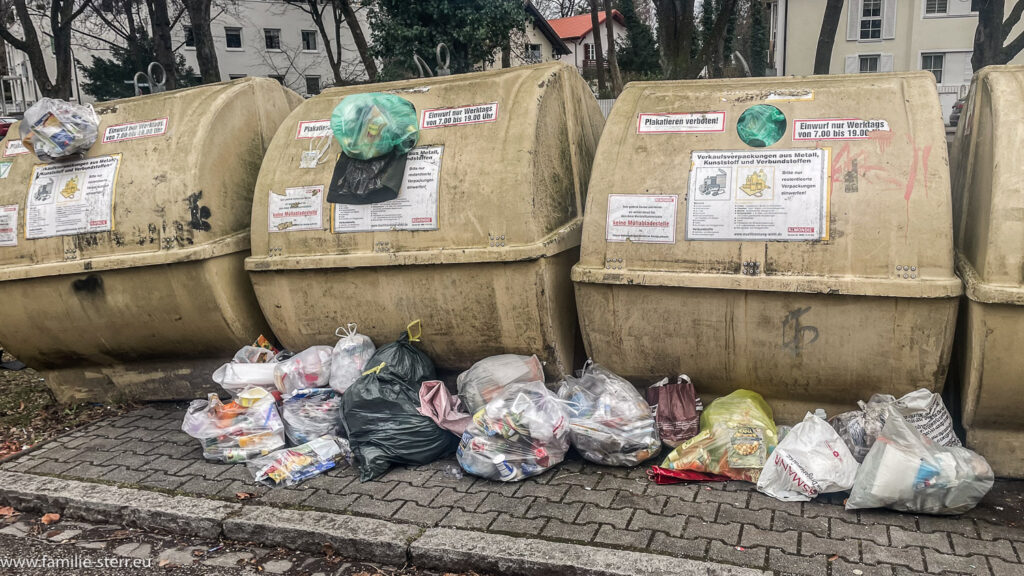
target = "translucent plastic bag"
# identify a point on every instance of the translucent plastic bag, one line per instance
(812, 459)
(905, 470)
(488, 377)
(921, 408)
(254, 355)
(311, 413)
(737, 434)
(373, 124)
(859, 428)
(290, 466)
(676, 409)
(310, 368)
(236, 431)
(520, 433)
(349, 358)
(56, 129)
(609, 422)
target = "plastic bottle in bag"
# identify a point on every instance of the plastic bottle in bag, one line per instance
(488, 377)
(55, 129)
(349, 358)
(310, 368)
(237, 431)
(311, 413)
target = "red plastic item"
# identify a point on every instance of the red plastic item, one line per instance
(660, 475)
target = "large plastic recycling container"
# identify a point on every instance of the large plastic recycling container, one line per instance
(479, 248)
(988, 192)
(789, 236)
(123, 276)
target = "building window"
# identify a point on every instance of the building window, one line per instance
(190, 38)
(933, 63)
(868, 64)
(312, 85)
(272, 38)
(936, 6)
(588, 52)
(309, 40)
(533, 53)
(870, 19)
(233, 38)
(280, 79)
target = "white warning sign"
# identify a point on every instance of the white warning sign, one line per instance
(680, 123)
(458, 116)
(313, 129)
(641, 218)
(758, 195)
(297, 209)
(9, 225)
(14, 148)
(135, 130)
(416, 205)
(837, 129)
(72, 197)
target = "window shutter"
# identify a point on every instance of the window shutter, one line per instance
(853, 20)
(853, 62)
(885, 63)
(888, 19)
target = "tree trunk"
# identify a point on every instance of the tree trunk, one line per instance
(713, 52)
(506, 54)
(360, 39)
(161, 24)
(613, 62)
(62, 52)
(988, 37)
(595, 29)
(827, 36)
(206, 50)
(675, 36)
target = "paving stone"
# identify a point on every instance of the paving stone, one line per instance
(177, 557)
(451, 498)
(324, 500)
(792, 564)
(783, 521)
(601, 498)
(409, 493)
(457, 484)
(752, 557)
(203, 468)
(871, 553)
(989, 531)
(760, 501)
(998, 548)
(518, 526)
(879, 534)
(17, 529)
(165, 481)
(960, 564)
(47, 467)
(572, 479)
(91, 545)
(506, 489)
(277, 566)
(370, 506)
(134, 550)
(814, 509)
(411, 476)
(230, 488)
(841, 567)
(624, 499)
(685, 492)
(706, 511)
(644, 520)
(753, 536)
(609, 482)
(166, 464)
(65, 535)
(131, 461)
(574, 532)
(592, 514)
(727, 533)
(553, 493)
(737, 499)
(874, 517)
(902, 538)
(759, 518)
(623, 538)
(1001, 568)
(556, 510)
(956, 525)
(811, 545)
(696, 548)
(229, 559)
(499, 503)
(123, 475)
(421, 515)
(375, 488)
(283, 496)
(458, 518)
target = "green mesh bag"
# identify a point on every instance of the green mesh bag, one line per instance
(374, 124)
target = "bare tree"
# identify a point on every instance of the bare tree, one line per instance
(552, 9)
(595, 29)
(993, 32)
(827, 36)
(61, 14)
(206, 51)
(676, 28)
(613, 62)
(160, 21)
(328, 16)
(359, 38)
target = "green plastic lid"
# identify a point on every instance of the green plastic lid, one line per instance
(761, 125)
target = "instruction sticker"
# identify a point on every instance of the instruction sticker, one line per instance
(641, 218)
(9, 225)
(837, 129)
(72, 197)
(134, 130)
(5, 169)
(758, 195)
(14, 148)
(443, 117)
(416, 205)
(297, 209)
(313, 129)
(680, 123)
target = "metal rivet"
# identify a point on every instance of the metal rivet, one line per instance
(913, 268)
(898, 268)
(906, 276)
(913, 276)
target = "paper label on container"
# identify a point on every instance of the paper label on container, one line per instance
(9, 225)
(5, 169)
(837, 128)
(134, 130)
(415, 208)
(313, 129)
(72, 197)
(14, 148)
(641, 218)
(297, 209)
(459, 115)
(758, 195)
(680, 123)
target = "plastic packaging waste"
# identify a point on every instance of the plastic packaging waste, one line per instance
(251, 366)
(380, 411)
(374, 124)
(310, 368)
(925, 411)
(311, 413)
(55, 129)
(440, 406)
(488, 377)
(290, 466)
(812, 459)
(676, 409)
(737, 434)
(609, 422)
(859, 428)
(254, 355)
(349, 358)
(905, 470)
(237, 431)
(521, 432)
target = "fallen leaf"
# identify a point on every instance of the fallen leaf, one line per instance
(833, 558)
(7, 511)
(244, 495)
(197, 553)
(328, 550)
(164, 562)
(50, 518)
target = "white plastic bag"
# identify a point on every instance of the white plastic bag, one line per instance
(907, 471)
(925, 411)
(310, 368)
(254, 355)
(235, 377)
(488, 377)
(350, 356)
(57, 129)
(812, 459)
(921, 408)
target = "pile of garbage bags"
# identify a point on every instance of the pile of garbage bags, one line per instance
(244, 428)
(290, 466)
(311, 413)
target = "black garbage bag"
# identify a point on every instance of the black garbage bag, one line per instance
(380, 411)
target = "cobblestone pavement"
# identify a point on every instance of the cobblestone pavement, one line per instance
(576, 502)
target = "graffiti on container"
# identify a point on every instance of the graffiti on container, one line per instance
(796, 335)
(198, 214)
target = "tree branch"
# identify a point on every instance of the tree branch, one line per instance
(1012, 49)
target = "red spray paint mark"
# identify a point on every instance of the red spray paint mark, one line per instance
(884, 139)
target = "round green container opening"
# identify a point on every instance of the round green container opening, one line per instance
(761, 125)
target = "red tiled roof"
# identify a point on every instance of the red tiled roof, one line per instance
(578, 26)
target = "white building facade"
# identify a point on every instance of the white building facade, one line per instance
(578, 34)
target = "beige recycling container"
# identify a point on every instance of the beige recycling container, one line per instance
(988, 192)
(815, 270)
(479, 243)
(122, 274)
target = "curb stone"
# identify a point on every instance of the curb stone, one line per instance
(352, 536)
